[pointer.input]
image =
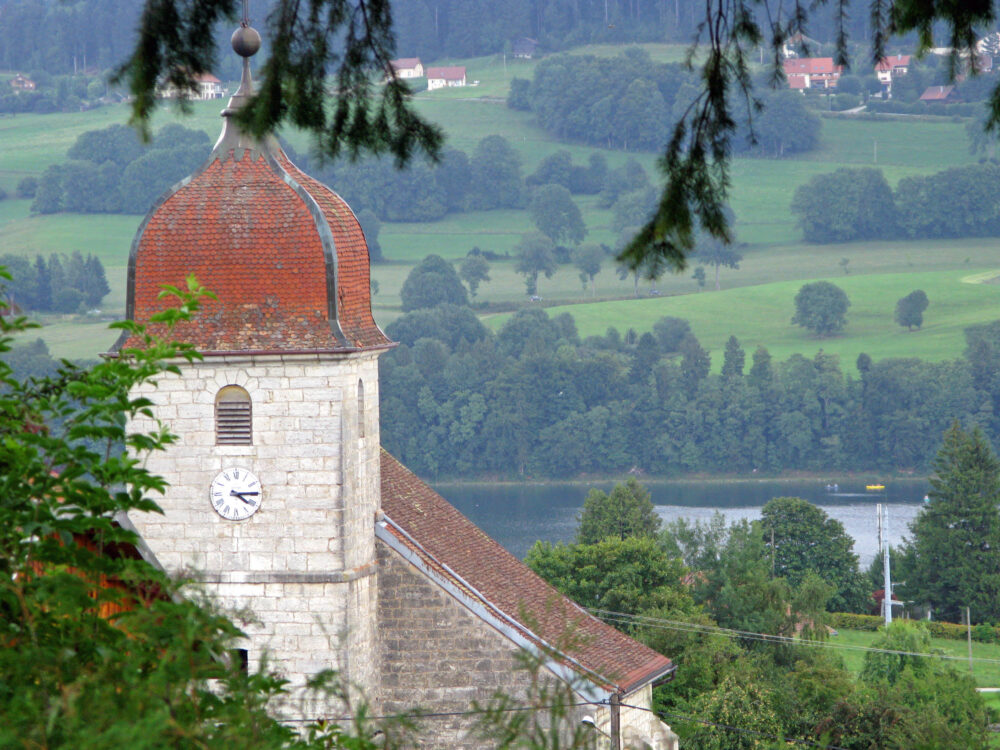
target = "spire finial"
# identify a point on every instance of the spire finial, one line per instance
(246, 42)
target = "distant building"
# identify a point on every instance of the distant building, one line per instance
(941, 94)
(890, 67)
(795, 44)
(812, 73)
(22, 83)
(439, 78)
(206, 86)
(524, 48)
(408, 67)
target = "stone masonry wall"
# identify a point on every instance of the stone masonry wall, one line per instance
(303, 566)
(436, 654)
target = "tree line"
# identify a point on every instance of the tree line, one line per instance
(98, 34)
(111, 171)
(629, 102)
(536, 399)
(65, 284)
(854, 203)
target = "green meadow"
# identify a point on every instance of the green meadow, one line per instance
(775, 260)
(848, 644)
(761, 315)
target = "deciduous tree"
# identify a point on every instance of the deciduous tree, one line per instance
(474, 270)
(535, 255)
(556, 215)
(821, 307)
(910, 309)
(432, 282)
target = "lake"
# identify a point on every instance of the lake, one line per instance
(518, 514)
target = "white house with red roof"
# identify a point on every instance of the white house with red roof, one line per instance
(439, 78)
(812, 72)
(891, 67)
(206, 86)
(281, 501)
(408, 67)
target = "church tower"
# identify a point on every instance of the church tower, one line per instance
(274, 478)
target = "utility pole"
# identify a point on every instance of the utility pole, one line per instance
(968, 635)
(883, 543)
(616, 730)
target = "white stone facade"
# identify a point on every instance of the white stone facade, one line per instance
(303, 566)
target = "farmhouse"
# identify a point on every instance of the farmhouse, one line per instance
(524, 48)
(281, 499)
(22, 83)
(812, 72)
(408, 67)
(206, 86)
(439, 78)
(942, 94)
(891, 67)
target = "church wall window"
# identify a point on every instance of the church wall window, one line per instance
(233, 417)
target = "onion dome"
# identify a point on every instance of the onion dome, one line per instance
(284, 254)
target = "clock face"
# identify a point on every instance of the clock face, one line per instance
(235, 494)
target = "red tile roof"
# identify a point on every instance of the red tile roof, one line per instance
(811, 66)
(457, 549)
(269, 241)
(405, 63)
(449, 74)
(893, 61)
(936, 93)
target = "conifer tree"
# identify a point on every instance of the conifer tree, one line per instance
(956, 538)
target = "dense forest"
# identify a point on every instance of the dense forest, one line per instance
(536, 400)
(628, 102)
(68, 37)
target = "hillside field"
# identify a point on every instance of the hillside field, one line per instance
(775, 259)
(761, 315)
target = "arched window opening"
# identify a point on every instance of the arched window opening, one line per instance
(233, 422)
(361, 409)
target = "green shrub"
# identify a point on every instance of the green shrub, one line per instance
(982, 633)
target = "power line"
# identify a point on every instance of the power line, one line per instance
(690, 627)
(418, 715)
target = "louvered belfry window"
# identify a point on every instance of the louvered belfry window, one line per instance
(233, 423)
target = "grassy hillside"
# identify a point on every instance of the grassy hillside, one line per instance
(761, 315)
(761, 193)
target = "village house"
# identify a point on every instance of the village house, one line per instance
(22, 83)
(812, 72)
(890, 68)
(524, 48)
(408, 67)
(439, 78)
(206, 86)
(281, 501)
(940, 94)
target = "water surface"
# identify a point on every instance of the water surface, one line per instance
(518, 514)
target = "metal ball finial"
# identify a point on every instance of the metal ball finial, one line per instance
(246, 41)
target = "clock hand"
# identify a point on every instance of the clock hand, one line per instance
(234, 493)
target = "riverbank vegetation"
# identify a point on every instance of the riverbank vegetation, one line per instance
(743, 611)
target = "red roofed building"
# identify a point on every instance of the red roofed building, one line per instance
(941, 94)
(281, 501)
(812, 72)
(891, 67)
(408, 67)
(439, 78)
